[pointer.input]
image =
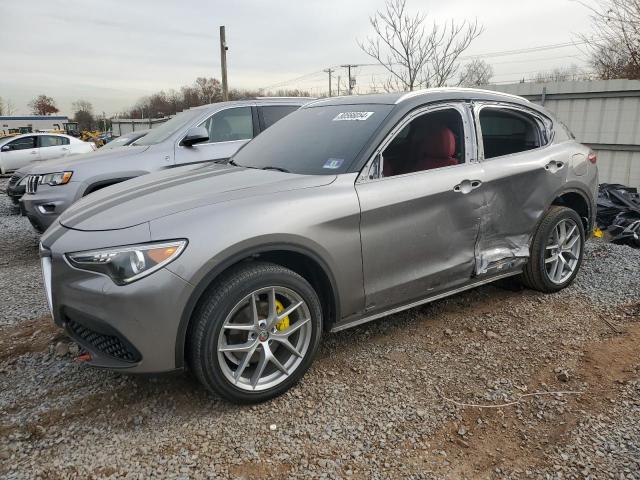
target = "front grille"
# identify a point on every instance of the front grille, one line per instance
(32, 184)
(108, 344)
(15, 178)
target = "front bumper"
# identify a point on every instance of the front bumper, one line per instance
(132, 327)
(14, 190)
(46, 205)
(15, 193)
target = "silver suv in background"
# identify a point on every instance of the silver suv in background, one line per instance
(17, 182)
(210, 133)
(346, 211)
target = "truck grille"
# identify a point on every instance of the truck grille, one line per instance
(32, 184)
(107, 344)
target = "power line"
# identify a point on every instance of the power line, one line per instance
(502, 53)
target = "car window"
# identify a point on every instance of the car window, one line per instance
(317, 140)
(430, 141)
(505, 132)
(22, 143)
(272, 113)
(230, 124)
(52, 141)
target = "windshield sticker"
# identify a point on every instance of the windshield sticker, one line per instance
(333, 163)
(357, 116)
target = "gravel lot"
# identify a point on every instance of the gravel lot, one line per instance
(461, 388)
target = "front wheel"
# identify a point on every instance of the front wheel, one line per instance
(556, 251)
(256, 333)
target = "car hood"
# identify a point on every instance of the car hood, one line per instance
(178, 189)
(74, 161)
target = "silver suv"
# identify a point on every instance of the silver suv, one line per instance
(208, 133)
(345, 211)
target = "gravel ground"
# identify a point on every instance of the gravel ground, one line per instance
(466, 387)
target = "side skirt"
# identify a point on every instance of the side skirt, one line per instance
(359, 321)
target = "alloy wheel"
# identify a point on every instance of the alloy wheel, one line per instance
(562, 252)
(264, 338)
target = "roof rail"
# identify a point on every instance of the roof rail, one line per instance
(423, 91)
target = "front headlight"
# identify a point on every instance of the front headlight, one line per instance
(23, 181)
(130, 263)
(57, 178)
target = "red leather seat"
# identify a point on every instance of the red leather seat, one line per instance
(436, 150)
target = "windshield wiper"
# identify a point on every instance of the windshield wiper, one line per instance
(280, 169)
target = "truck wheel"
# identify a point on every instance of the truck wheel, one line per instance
(556, 251)
(255, 333)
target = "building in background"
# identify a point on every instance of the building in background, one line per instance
(32, 123)
(603, 114)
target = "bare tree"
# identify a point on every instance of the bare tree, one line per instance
(562, 74)
(43, 105)
(9, 108)
(413, 54)
(210, 89)
(614, 42)
(83, 114)
(1, 106)
(475, 73)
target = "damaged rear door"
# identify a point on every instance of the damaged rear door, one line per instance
(523, 170)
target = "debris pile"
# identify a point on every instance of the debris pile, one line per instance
(619, 213)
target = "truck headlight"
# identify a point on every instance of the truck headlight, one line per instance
(57, 178)
(128, 263)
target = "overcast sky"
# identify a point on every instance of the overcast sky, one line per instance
(113, 52)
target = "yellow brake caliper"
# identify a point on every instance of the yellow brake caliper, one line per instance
(284, 323)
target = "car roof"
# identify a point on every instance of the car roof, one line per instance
(22, 135)
(256, 101)
(422, 96)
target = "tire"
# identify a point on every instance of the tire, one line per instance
(231, 298)
(539, 273)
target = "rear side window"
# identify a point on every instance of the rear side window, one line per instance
(272, 113)
(51, 141)
(230, 124)
(505, 132)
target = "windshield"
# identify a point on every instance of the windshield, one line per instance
(164, 131)
(321, 140)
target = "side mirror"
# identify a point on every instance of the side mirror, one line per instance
(5, 148)
(195, 135)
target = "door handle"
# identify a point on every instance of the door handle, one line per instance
(465, 186)
(33, 152)
(553, 166)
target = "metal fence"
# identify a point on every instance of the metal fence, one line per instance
(603, 114)
(122, 126)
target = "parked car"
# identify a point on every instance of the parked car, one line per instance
(346, 211)
(124, 140)
(21, 150)
(203, 134)
(17, 183)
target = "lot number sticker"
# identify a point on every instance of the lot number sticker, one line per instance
(353, 116)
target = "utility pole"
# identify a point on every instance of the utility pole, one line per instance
(329, 71)
(338, 85)
(223, 62)
(352, 81)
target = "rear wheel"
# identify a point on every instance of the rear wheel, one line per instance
(556, 251)
(256, 333)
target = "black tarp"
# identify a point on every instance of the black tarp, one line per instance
(619, 213)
